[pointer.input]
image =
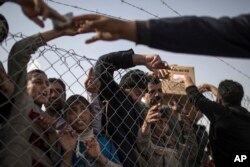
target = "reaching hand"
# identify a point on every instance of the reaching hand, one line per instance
(161, 73)
(204, 88)
(106, 28)
(35, 8)
(153, 62)
(92, 85)
(208, 88)
(69, 30)
(153, 114)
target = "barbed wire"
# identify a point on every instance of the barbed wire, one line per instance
(233, 67)
(169, 7)
(84, 9)
(139, 8)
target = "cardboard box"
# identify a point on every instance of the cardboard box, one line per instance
(173, 85)
(173, 88)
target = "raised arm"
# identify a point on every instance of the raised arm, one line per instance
(208, 88)
(92, 86)
(225, 36)
(20, 53)
(109, 63)
(210, 108)
(35, 8)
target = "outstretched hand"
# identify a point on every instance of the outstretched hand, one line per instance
(154, 62)
(153, 114)
(208, 88)
(35, 8)
(106, 28)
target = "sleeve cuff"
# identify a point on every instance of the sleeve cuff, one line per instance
(143, 34)
(191, 89)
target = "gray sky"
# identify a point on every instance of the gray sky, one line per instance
(208, 69)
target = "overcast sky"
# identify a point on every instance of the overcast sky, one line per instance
(208, 69)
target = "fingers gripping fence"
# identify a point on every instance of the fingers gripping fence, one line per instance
(39, 127)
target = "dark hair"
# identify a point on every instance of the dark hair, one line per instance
(153, 80)
(133, 79)
(53, 80)
(4, 34)
(231, 92)
(29, 75)
(76, 98)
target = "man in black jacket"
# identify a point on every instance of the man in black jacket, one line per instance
(229, 122)
(123, 107)
(229, 37)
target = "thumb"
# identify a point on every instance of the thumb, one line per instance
(90, 73)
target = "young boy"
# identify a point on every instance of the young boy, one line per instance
(85, 149)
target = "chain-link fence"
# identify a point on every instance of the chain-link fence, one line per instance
(51, 122)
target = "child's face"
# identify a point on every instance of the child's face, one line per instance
(6, 86)
(79, 117)
(37, 88)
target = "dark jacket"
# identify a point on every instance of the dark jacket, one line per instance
(229, 127)
(124, 115)
(229, 37)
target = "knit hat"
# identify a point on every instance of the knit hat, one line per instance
(134, 79)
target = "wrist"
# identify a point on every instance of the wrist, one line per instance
(145, 128)
(50, 35)
(129, 30)
(139, 59)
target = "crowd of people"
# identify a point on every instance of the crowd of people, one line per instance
(113, 126)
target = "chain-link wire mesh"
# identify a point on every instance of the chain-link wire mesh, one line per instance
(39, 127)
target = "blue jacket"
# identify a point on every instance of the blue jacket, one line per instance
(107, 149)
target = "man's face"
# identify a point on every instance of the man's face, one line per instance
(154, 94)
(79, 117)
(135, 93)
(37, 88)
(57, 96)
